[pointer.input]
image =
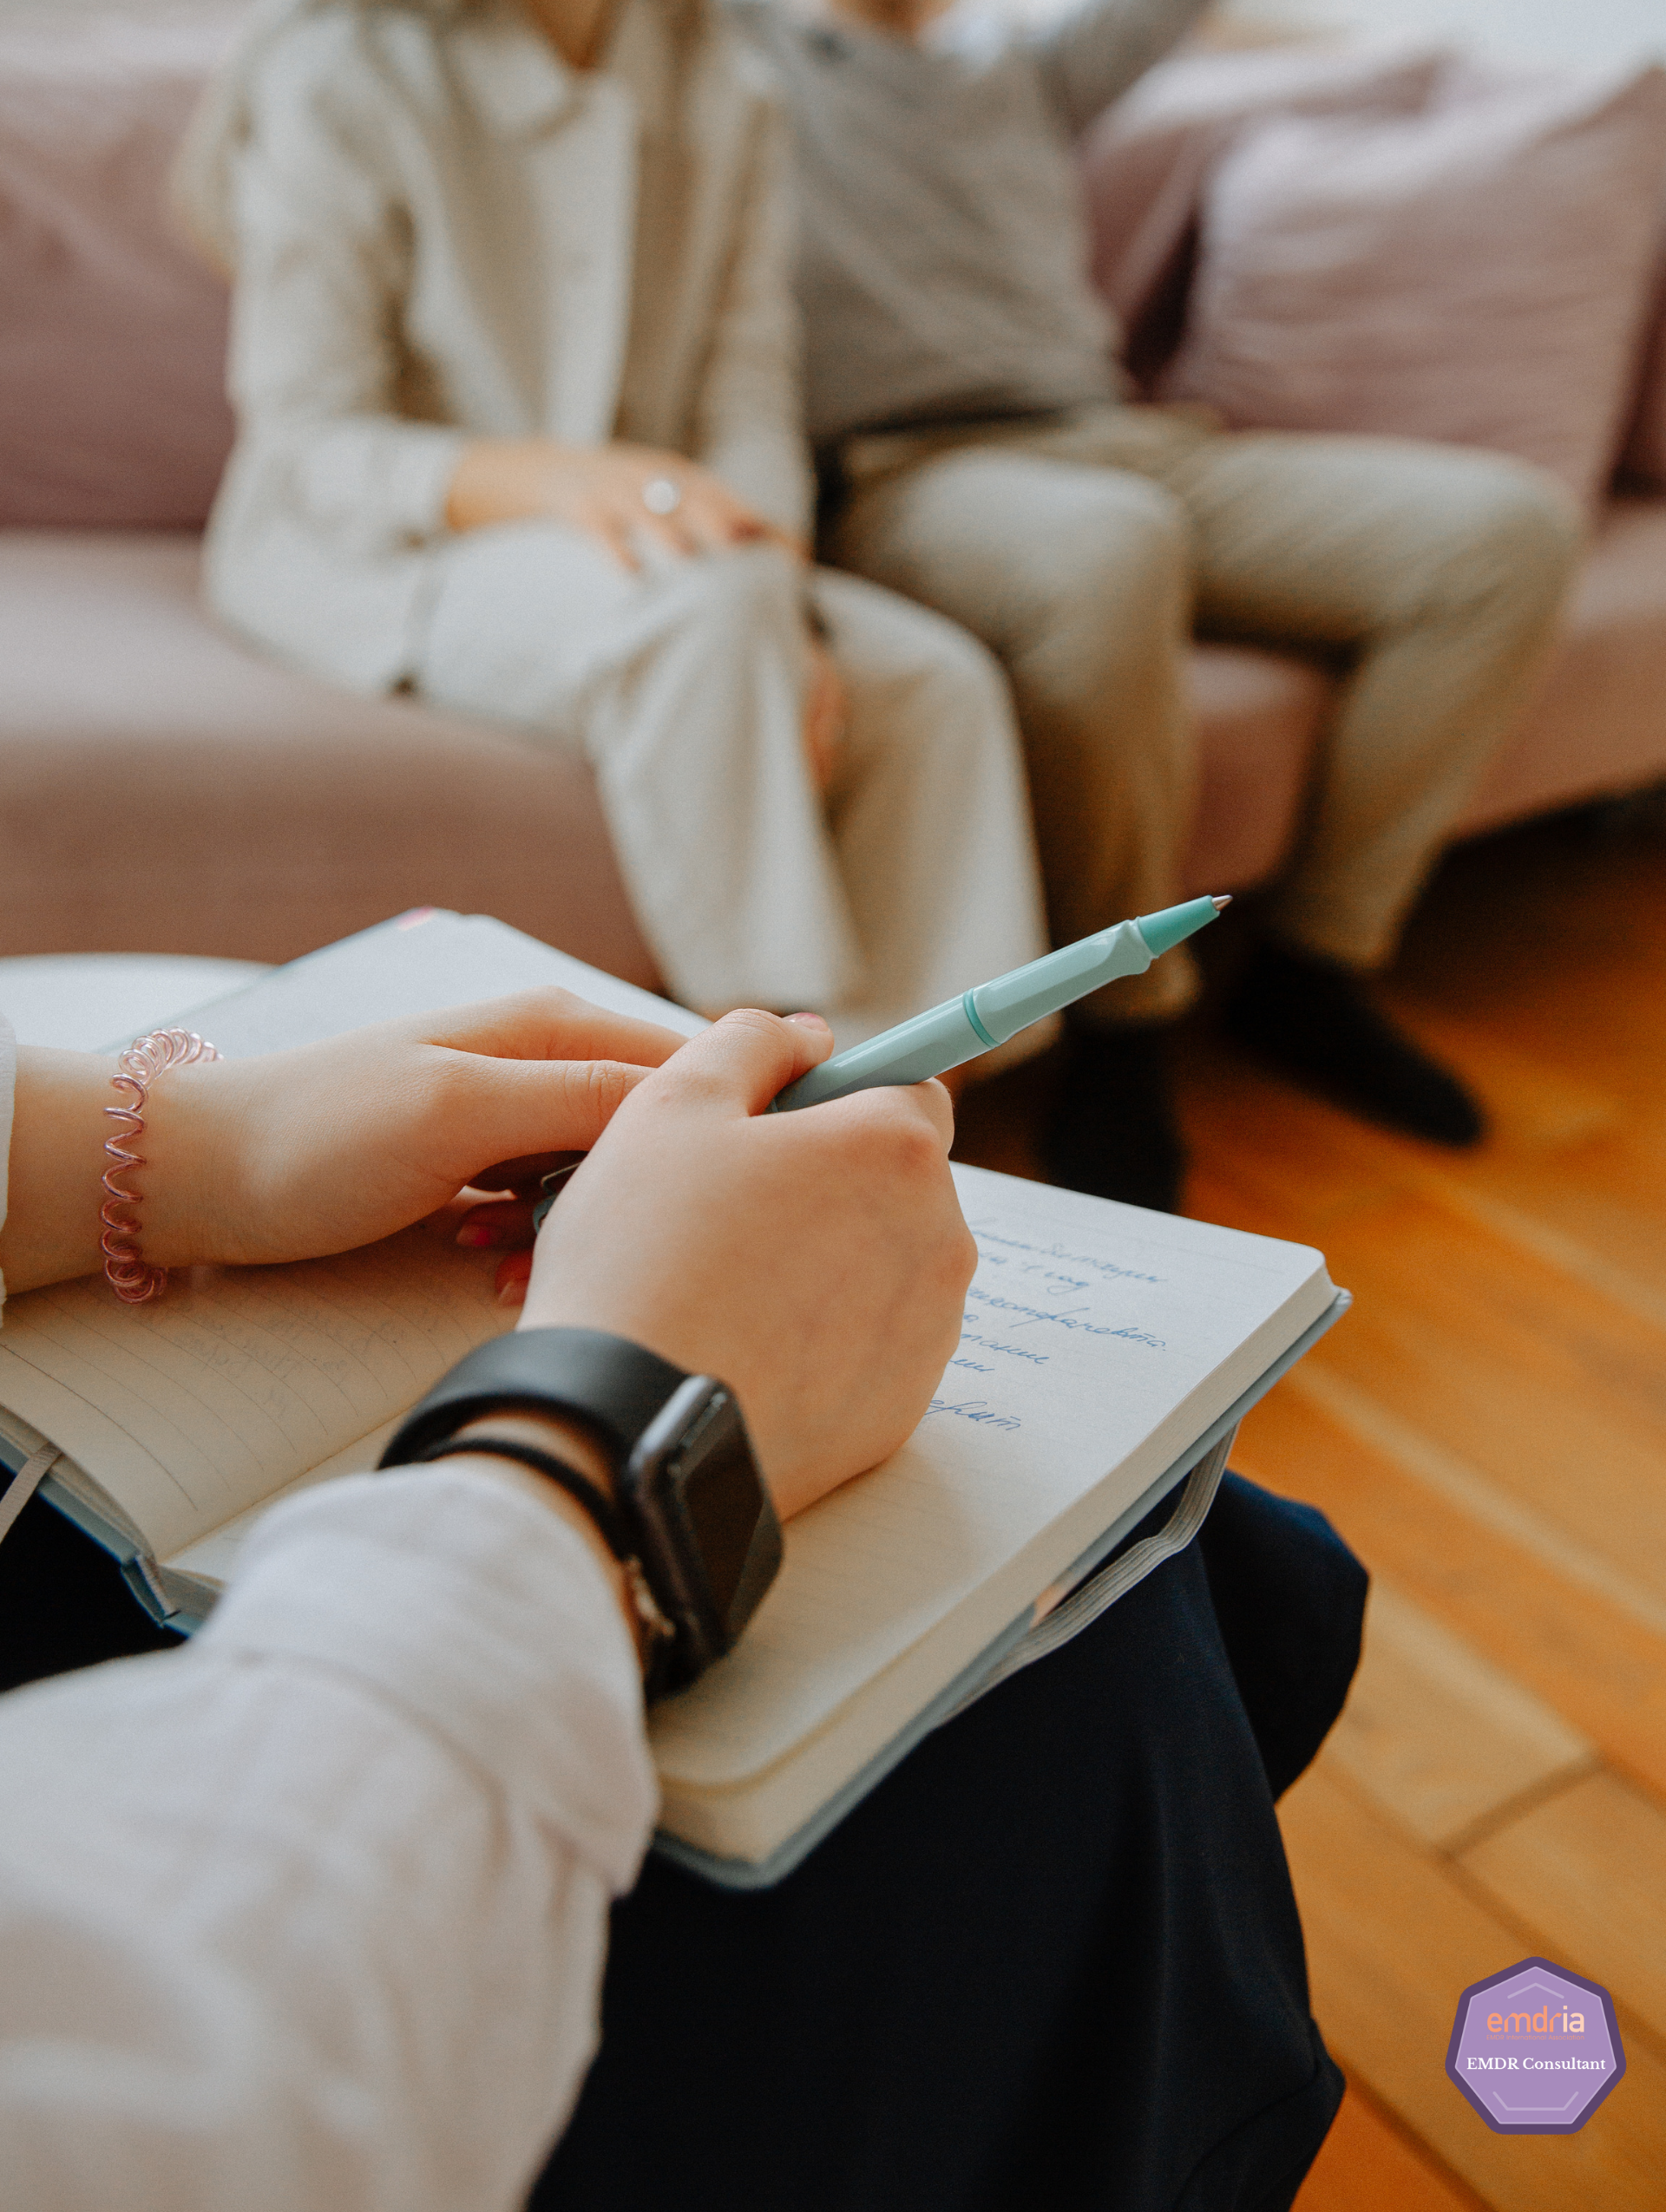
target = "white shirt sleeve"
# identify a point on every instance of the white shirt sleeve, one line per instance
(324, 251)
(313, 1913)
(7, 1088)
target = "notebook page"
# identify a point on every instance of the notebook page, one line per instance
(415, 965)
(1098, 1341)
(193, 1408)
(212, 1559)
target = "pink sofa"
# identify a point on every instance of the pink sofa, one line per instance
(163, 787)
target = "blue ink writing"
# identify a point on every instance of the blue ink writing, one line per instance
(978, 1409)
(1107, 1268)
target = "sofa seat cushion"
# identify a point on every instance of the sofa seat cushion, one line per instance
(1599, 723)
(164, 790)
(163, 787)
(1259, 718)
(1644, 456)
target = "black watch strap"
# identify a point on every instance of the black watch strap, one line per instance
(610, 1523)
(607, 1386)
(691, 1517)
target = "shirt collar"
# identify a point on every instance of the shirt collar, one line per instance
(521, 85)
(518, 79)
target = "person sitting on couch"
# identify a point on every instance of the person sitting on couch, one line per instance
(981, 453)
(313, 1914)
(514, 362)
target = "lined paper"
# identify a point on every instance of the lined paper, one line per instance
(191, 1408)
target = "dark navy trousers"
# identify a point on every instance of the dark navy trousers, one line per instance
(1053, 1959)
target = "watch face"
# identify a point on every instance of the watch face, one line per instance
(720, 1494)
(711, 1540)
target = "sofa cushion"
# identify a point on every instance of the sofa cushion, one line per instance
(1146, 161)
(1477, 273)
(113, 340)
(1259, 718)
(163, 789)
(1599, 722)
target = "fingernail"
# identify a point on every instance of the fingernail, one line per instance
(808, 1021)
(477, 1235)
(512, 1293)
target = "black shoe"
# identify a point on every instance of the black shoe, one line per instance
(1112, 1131)
(1312, 1020)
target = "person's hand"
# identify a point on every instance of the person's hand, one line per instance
(294, 1154)
(335, 1145)
(600, 490)
(815, 1261)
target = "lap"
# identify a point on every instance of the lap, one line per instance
(526, 619)
(1349, 489)
(1052, 1959)
(880, 637)
(64, 1603)
(1011, 542)
(1321, 537)
(1331, 536)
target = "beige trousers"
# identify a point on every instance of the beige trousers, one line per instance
(1083, 548)
(915, 878)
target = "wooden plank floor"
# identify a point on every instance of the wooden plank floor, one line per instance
(1488, 1429)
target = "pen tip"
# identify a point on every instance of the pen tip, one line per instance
(1220, 904)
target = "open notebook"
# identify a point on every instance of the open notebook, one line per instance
(1106, 1353)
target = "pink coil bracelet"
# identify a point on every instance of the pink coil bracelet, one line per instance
(145, 1059)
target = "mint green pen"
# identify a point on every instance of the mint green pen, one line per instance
(933, 1043)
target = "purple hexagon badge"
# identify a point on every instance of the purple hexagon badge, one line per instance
(1536, 2049)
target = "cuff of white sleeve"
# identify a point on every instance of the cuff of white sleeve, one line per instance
(421, 466)
(481, 1616)
(771, 474)
(379, 484)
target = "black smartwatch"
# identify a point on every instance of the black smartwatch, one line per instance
(694, 1519)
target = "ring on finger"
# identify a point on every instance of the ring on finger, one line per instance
(662, 495)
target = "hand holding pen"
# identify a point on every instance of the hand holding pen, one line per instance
(961, 1029)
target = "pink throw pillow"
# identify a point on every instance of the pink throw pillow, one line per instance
(112, 341)
(1476, 274)
(1146, 162)
(1644, 456)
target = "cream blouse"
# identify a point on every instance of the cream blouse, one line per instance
(441, 232)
